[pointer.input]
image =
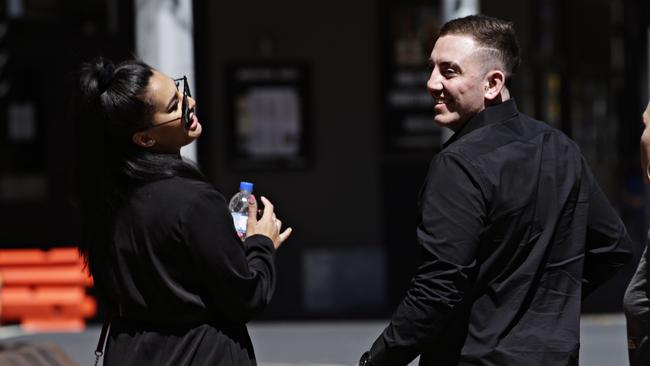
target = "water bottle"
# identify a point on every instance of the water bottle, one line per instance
(239, 208)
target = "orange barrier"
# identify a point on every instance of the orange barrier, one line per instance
(22, 257)
(45, 290)
(45, 275)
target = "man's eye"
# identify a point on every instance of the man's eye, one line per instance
(173, 107)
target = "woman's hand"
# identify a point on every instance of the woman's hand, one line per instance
(268, 225)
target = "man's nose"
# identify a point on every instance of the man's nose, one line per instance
(434, 83)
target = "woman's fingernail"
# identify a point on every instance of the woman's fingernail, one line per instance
(251, 200)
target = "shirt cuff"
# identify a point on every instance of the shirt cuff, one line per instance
(379, 353)
(260, 240)
(382, 355)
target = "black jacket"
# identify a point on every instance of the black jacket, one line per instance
(182, 283)
(514, 231)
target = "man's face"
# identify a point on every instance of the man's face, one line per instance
(457, 82)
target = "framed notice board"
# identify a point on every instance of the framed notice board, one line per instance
(267, 115)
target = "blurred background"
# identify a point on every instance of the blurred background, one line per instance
(323, 106)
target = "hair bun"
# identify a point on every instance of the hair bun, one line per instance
(104, 75)
(96, 76)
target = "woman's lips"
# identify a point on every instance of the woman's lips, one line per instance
(195, 122)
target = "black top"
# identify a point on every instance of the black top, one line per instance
(636, 303)
(182, 283)
(514, 231)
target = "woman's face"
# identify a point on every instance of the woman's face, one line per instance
(167, 133)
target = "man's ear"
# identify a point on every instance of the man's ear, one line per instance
(143, 139)
(494, 84)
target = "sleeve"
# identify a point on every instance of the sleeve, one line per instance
(608, 247)
(636, 304)
(452, 218)
(240, 276)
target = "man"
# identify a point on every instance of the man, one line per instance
(636, 302)
(513, 228)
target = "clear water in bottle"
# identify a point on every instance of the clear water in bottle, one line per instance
(239, 208)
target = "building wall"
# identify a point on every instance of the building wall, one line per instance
(333, 203)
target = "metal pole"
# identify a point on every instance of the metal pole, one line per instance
(164, 39)
(452, 9)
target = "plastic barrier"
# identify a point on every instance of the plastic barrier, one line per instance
(45, 290)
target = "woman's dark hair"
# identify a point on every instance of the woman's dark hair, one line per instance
(110, 105)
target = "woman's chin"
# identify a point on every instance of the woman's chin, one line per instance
(194, 133)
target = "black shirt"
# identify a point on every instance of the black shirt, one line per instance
(514, 231)
(182, 283)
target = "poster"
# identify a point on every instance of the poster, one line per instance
(268, 105)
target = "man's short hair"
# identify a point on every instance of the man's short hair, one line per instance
(494, 34)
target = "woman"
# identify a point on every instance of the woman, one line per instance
(158, 239)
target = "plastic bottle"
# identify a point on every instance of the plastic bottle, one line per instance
(239, 208)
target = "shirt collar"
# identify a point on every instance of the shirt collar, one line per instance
(491, 114)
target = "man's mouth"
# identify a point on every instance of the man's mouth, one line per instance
(440, 101)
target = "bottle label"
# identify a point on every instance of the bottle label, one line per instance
(240, 222)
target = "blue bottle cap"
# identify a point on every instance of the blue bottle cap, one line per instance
(246, 186)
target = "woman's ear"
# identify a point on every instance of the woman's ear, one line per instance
(495, 82)
(143, 139)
